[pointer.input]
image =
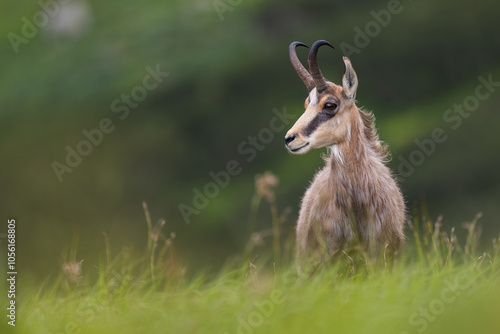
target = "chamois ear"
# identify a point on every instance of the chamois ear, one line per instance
(349, 80)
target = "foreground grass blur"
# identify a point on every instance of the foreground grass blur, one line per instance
(440, 285)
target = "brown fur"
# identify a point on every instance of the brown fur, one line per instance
(354, 199)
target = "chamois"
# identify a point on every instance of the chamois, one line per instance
(354, 200)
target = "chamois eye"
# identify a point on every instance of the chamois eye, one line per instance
(329, 106)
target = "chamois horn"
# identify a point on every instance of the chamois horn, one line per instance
(299, 68)
(312, 62)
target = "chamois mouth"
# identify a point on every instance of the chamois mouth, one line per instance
(293, 150)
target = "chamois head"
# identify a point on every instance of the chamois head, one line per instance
(329, 107)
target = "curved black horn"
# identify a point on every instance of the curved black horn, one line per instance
(312, 62)
(299, 68)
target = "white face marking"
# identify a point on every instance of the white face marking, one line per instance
(313, 97)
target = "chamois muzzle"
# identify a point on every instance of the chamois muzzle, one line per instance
(289, 139)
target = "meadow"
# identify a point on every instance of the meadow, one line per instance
(441, 284)
(206, 78)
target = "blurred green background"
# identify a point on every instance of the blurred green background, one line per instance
(228, 69)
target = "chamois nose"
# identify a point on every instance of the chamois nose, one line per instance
(289, 139)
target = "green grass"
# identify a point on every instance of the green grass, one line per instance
(440, 285)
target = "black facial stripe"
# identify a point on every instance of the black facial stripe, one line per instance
(317, 121)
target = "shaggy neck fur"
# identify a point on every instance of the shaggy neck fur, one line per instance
(357, 170)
